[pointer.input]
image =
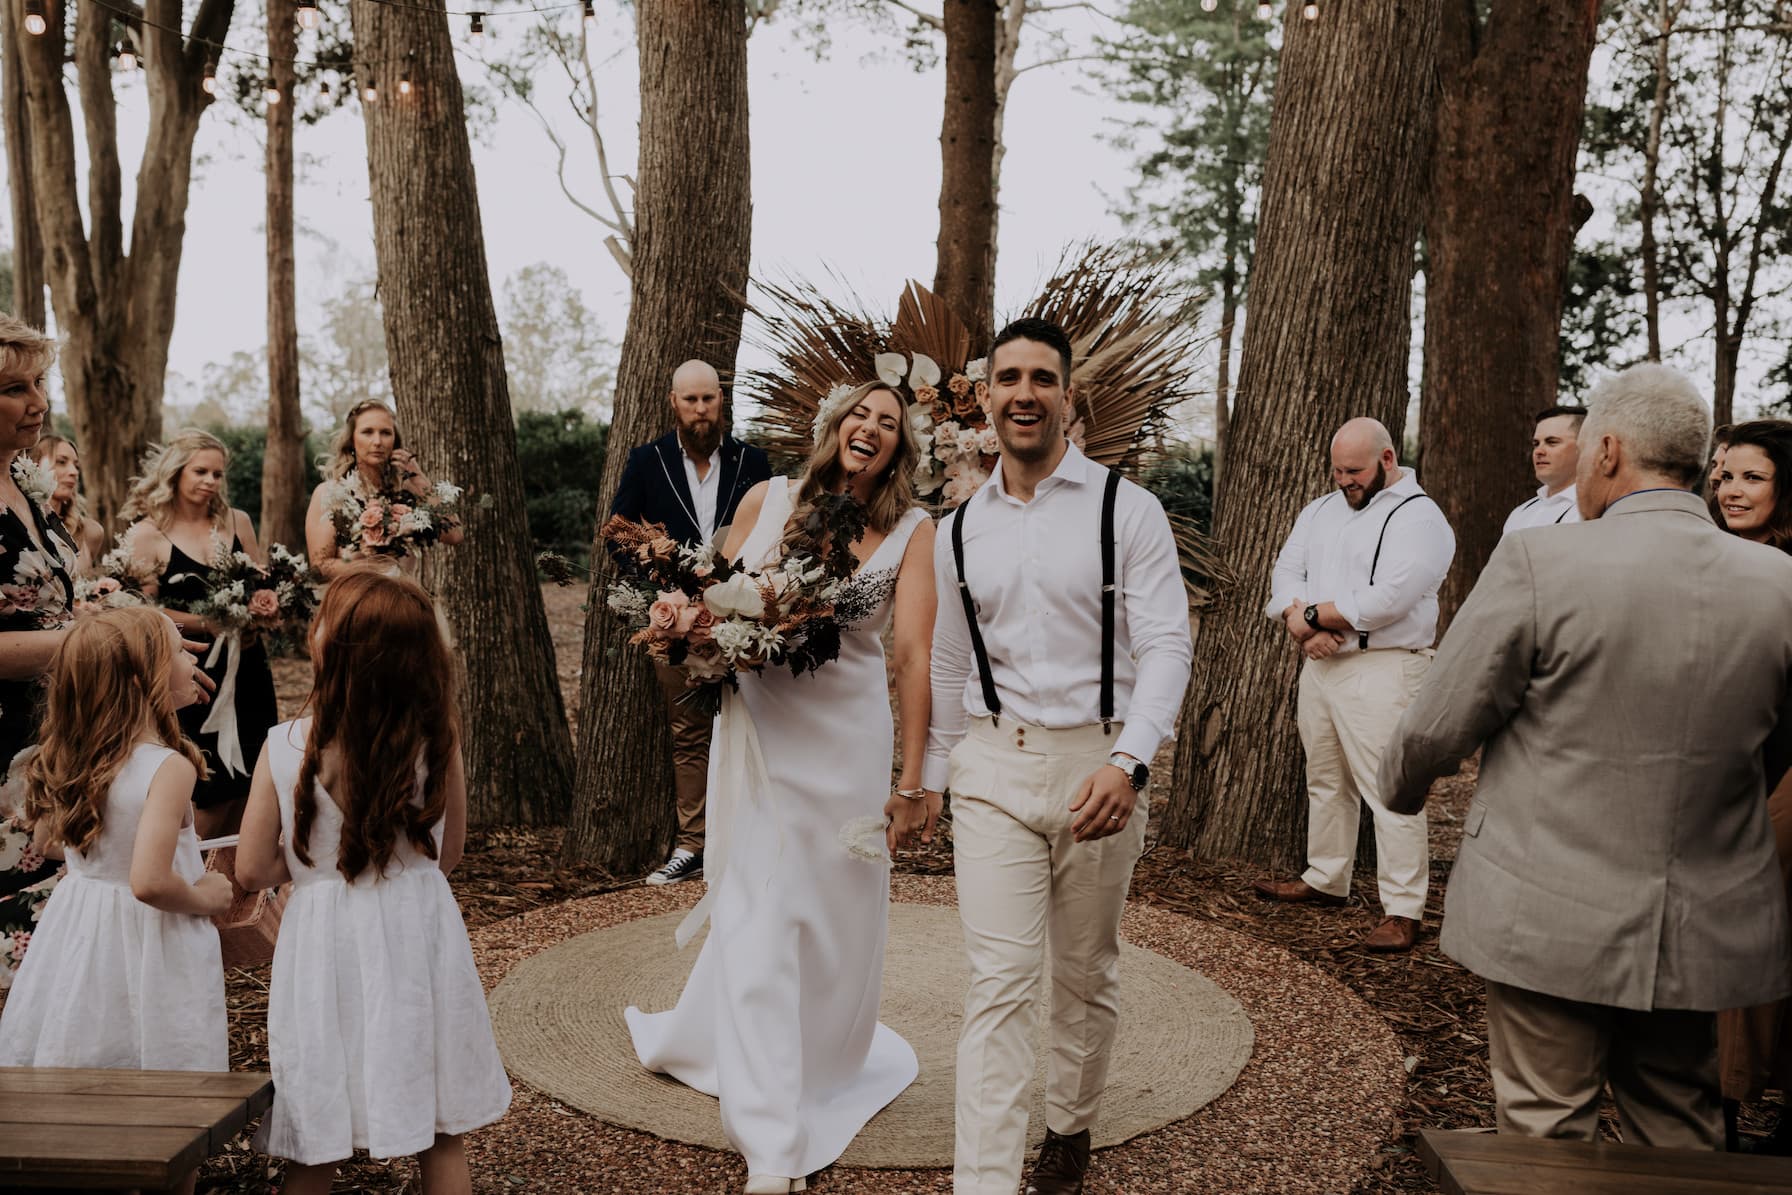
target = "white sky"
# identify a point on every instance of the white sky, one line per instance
(846, 166)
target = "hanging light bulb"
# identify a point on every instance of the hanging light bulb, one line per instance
(127, 59)
(1264, 11)
(308, 14)
(370, 94)
(1209, 5)
(271, 93)
(404, 81)
(208, 83)
(476, 34)
(34, 17)
(1310, 10)
(590, 15)
(323, 90)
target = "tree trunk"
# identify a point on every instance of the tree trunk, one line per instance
(1649, 201)
(693, 230)
(115, 312)
(965, 273)
(1499, 231)
(453, 401)
(283, 497)
(27, 243)
(1327, 339)
(1222, 388)
(1729, 353)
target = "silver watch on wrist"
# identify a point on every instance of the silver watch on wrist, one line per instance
(1137, 774)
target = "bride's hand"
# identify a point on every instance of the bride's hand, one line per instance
(907, 818)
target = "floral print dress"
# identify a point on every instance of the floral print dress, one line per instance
(36, 594)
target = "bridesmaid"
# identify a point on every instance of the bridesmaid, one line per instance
(180, 521)
(87, 536)
(368, 457)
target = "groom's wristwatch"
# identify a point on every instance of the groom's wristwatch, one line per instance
(1311, 614)
(1137, 774)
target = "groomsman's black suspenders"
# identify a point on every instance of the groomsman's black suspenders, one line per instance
(1107, 606)
(1362, 637)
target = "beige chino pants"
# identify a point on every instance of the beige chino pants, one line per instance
(1349, 707)
(1026, 886)
(691, 728)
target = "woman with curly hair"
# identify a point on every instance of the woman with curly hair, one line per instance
(181, 527)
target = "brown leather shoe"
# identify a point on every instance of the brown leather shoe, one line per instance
(1063, 1161)
(1393, 935)
(1295, 892)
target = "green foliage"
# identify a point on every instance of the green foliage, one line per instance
(1183, 482)
(555, 353)
(561, 459)
(1601, 316)
(242, 477)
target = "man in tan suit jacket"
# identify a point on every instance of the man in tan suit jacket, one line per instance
(1616, 882)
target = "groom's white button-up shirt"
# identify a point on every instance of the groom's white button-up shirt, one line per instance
(1330, 557)
(1034, 569)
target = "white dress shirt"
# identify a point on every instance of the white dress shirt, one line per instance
(1331, 551)
(1543, 511)
(1034, 570)
(704, 490)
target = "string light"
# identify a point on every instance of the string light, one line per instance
(271, 93)
(370, 94)
(308, 14)
(1264, 11)
(590, 15)
(1310, 11)
(1209, 5)
(323, 89)
(476, 34)
(404, 81)
(127, 60)
(209, 83)
(34, 18)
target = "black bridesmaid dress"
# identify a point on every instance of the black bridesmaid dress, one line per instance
(256, 707)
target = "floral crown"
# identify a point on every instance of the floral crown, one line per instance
(890, 368)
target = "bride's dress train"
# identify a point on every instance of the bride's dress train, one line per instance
(779, 1016)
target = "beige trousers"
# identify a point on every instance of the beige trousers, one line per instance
(1024, 885)
(690, 757)
(1552, 1058)
(1349, 706)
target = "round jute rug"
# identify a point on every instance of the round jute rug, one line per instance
(558, 1017)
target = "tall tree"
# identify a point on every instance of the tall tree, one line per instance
(454, 405)
(115, 309)
(283, 496)
(556, 352)
(27, 243)
(1497, 236)
(1328, 339)
(693, 229)
(1205, 78)
(965, 270)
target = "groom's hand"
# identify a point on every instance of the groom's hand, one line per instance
(1103, 805)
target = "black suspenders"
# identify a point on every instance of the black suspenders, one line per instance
(1362, 637)
(1108, 591)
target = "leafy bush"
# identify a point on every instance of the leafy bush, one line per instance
(1183, 482)
(561, 459)
(242, 478)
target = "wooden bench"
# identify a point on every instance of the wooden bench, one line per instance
(115, 1128)
(1468, 1163)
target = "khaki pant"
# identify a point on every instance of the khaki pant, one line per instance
(1552, 1057)
(1023, 882)
(690, 757)
(1349, 706)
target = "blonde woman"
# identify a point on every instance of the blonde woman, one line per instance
(368, 457)
(779, 1017)
(181, 525)
(59, 456)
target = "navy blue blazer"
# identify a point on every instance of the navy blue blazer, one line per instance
(654, 489)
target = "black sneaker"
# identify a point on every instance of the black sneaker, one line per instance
(683, 865)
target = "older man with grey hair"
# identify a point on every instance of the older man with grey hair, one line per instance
(1616, 883)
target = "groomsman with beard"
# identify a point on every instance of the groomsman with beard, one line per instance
(1356, 587)
(1555, 453)
(1060, 655)
(690, 480)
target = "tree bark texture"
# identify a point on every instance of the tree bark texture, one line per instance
(27, 244)
(693, 234)
(1499, 232)
(965, 273)
(1327, 339)
(283, 496)
(453, 401)
(115, 312)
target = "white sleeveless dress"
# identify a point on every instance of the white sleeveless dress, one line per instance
(109, 981)
(779, 1016)
(378, 1035)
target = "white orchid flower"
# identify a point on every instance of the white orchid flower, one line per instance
(977, 370)
(924, 372)
(737, 596)
(889, 367)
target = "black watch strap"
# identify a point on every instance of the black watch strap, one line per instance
(1311, 614)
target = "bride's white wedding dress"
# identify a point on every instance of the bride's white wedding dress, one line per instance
(779, 1016)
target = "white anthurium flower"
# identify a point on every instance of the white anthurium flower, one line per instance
(890, 368)
(924, 372)
(977, 370)
(921, 421)
(737, 596)
(929, 476)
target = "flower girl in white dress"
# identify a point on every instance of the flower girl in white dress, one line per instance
(124, 969)
(378, 1035)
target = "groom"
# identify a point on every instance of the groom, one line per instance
(1060, 653)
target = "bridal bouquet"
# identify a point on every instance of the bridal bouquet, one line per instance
(691, 608)
(393, 522)
(241, 596)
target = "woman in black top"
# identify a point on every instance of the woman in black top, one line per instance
(181, 526)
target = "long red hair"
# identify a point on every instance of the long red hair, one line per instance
(383, 696)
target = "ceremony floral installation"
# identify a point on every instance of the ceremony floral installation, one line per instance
(691, 608)
(392, 522)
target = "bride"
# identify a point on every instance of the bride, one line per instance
(779, 1016)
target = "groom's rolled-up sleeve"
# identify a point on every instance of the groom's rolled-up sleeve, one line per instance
(950, 664)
